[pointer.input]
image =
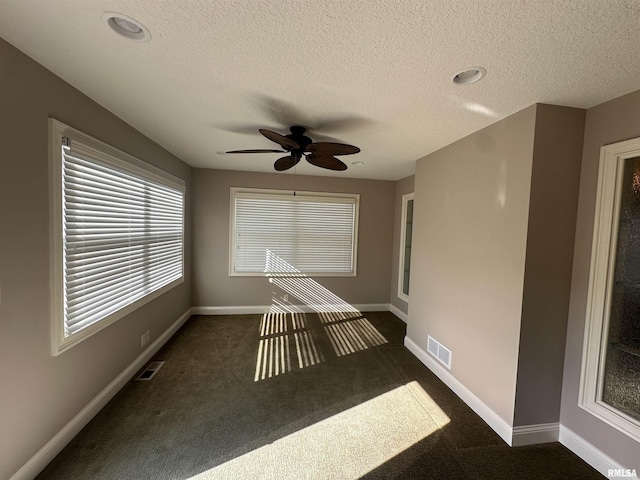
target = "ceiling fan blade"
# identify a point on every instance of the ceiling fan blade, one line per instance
(326, 161)
(344, 124)
(330, 148)
(281, 112)
(286, 143)
(286, 114)
(285, 163)
(320, 137)
(241, 129)
(258, 150)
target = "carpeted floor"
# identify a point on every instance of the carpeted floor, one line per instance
(332, 396)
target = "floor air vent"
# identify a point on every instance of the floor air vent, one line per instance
(442, 353)
(150, 371)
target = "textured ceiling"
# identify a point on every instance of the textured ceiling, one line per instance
(372, 73)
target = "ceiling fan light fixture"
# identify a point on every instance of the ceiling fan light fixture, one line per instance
(126, 26)
(469, 75)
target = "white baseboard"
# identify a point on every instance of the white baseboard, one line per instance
(399, 313)
(249, 310)
(46, 454)
(513, 436)
(591, 454)
(534, 434)
(261, 309)
(493, 420)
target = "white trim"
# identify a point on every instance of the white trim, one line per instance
(99, 152)
(403, 233)
(398, 313)
(46, 454)
(589, 453)
(61, 344)
(513, 436)
(56, 247)
(535, 434)
(601, 273)
(501, 427)
(107, 153)
(261, 309)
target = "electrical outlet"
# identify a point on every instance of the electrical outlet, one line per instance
(142, 340)
(286, 297)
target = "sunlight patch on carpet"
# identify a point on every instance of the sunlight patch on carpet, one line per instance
(353, 336)
(285, 344)
(344, 446)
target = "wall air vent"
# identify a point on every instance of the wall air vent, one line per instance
(150, 371)
(442, 353)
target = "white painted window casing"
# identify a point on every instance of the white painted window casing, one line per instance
(406, 234)
(117, 234)
(601, 278)
(276, 232)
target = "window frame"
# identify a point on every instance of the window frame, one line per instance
(601, 277)
(100, 152)
(406, 198)
(309, 194)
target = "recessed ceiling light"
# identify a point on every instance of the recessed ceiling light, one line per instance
(469, 75)
(126, 26)
(357, 163)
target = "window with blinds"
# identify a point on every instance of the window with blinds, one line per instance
(118, 238)
(276, 232)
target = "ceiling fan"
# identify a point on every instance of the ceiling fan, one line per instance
(297, 144)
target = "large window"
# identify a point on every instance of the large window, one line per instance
(117, 234)
(279, 232)
(611, 360)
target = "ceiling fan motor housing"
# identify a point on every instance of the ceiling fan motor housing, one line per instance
(297, 135)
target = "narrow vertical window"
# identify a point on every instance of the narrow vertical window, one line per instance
(611, 359)
(621, 371)
(406, 234)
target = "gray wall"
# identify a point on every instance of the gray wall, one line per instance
(557, 155)
(214, 287)
(611, 122)
(403, 186)
(493, 248)
(468, 260)
(40, 393)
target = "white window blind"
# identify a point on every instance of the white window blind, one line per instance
(282, 233)
(122, 230)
